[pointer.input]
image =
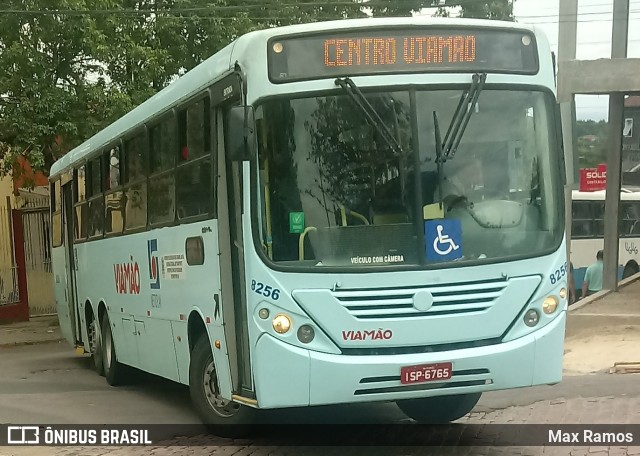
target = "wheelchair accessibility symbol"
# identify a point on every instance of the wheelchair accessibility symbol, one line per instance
(443, 244)
(444, 239)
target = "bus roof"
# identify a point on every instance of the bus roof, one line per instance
(222, 62)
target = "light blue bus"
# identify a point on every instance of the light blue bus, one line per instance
(339, 212)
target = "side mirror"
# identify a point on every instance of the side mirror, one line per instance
(240, 135)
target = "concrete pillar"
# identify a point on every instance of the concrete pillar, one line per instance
(614, 156)
(567, 34)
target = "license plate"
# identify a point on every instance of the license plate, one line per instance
(426, 373)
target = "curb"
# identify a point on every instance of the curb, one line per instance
(29, 342)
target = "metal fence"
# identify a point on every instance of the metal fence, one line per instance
(37, 251)
(8, 271)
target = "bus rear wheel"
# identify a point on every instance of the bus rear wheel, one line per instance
(439, 409)
(114, 372)
(222, 417)
(95, 345)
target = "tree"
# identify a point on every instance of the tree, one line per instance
(592, 139)
(46, 98)
(494, 9)
(71, 67)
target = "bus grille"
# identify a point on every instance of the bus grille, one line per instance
(448, 299)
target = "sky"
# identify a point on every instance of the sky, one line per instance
(593, 40)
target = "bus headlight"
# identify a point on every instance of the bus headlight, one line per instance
(550, 304)
(281, 323)
(306, 334)
(563, 293)
(531, 317)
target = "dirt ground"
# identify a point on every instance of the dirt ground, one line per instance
(604, 332)
(592, 352)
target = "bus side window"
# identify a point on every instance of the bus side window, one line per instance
(630, 218)
(135, 150)
(598, 218)
(56, 206)
(194, 184)
(95, 226)
(80, 203)
(582, 226)
(162, 159)
(114, 198)
(114, 168)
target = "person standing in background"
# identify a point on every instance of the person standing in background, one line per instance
(593, 277)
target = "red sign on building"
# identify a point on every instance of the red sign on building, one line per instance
(593, 179)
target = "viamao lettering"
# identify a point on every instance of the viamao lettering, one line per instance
(368, 334)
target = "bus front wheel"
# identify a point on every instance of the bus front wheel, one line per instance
(629, 270)
(113, 370)
(439, 409)
(222, 417)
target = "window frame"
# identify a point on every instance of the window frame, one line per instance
(168, 116)
(56, 213)
(77, 203)
(590, 221)
(216, 99)
(211, 124)
(111, 190)
(623, 217)
(140, 179)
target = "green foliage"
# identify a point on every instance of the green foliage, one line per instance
(494, 9)
(591, 147)
(44, 91)
(66, 76)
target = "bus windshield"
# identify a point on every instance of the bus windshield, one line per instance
(334, 191)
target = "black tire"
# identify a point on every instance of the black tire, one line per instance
(629, 270)
(439, 409)
(114, 372)
(221, 417)
(95, 345)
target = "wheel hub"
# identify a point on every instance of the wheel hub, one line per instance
(220, 406)
(107, 347)
(92, 336)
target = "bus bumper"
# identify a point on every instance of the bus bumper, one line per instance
(289, 376)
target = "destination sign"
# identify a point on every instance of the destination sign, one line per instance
(369, 52)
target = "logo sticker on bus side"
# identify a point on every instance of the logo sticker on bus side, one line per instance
(154, 272)
(127, 277)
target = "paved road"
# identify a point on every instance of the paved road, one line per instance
(48, 384)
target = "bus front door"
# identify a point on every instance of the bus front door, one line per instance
(71, 293)
(230, 238)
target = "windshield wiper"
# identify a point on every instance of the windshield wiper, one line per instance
(370, 113)
(461, 116)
